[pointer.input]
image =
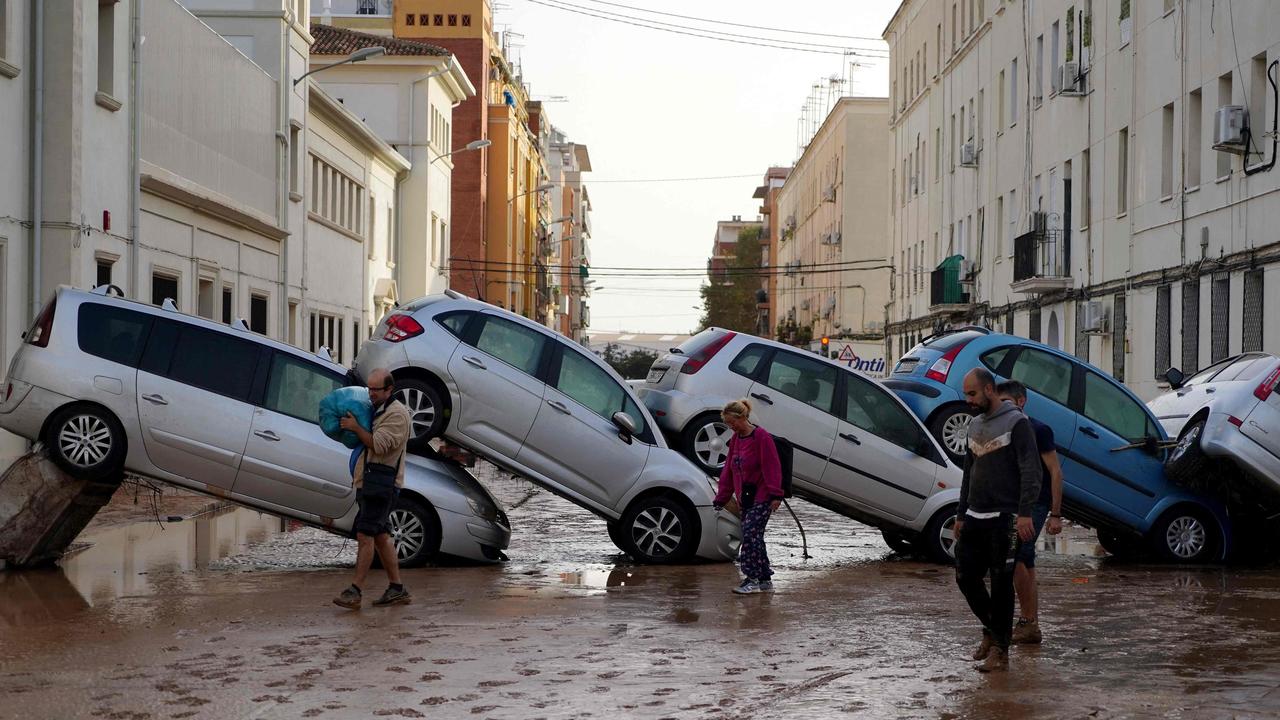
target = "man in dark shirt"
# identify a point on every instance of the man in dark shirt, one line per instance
(1048, 505)
(997, 493)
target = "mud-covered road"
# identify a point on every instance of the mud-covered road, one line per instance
(228, 615)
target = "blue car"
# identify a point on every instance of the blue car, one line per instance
(1109, 442)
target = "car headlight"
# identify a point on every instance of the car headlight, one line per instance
(483, 508)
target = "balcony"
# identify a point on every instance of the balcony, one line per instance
(946, 294)
(1041, 262)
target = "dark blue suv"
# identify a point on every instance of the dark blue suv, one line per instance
(1108, 440)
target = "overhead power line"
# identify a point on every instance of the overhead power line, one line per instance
(733, 24)
(503, 265)
(593, 181)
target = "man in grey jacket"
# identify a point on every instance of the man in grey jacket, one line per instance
(999, 489)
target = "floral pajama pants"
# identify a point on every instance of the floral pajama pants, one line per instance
(752, 556)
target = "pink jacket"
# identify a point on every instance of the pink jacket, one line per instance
(752, 460)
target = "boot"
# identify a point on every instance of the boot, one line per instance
(1027, 632)
(984, 648)
(997, 659)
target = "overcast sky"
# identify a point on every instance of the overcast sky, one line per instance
(652, 104)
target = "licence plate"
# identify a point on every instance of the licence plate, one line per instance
(656, 375)
(906, 365)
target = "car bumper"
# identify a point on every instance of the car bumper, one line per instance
(673, 409)
(379, 354)
(27, 409)
(471, 537)
(721, 535)
(921, 395)
(1221, 439)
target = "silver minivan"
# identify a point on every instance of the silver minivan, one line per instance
(110, 384)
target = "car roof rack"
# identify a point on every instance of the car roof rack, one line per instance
(106, 290)
(240, 325)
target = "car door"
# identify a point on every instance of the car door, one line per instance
(288, 460)
(194, 386)
(1128, 481)
(882, 458)
(1047, 377)
(574, 441)
(795, 397)
(496, 371)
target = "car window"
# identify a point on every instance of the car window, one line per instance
(806, 380)
(112, 333)
(1112, 408)
(1047, 374)
(296, 387)
(1206, 374)
(748, 360)
(455, 322)
(595, 389)
(514, 344)
(214, 361)
(871, 409)
(993, 358)
(1246, 368)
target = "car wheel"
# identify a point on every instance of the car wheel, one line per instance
(659, 529)
(415, 532)
(940, 536)
(706, 442)
(616, 536)
(1184, 535)
(1187, 465)
(1119, 546)
(87, 442)
(897, 542)
(426, 411)
(951, 428)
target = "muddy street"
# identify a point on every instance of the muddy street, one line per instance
(228, 614)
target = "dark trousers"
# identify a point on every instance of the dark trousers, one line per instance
(987, 547)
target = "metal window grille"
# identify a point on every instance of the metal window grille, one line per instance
(1190, 326)
(1082, 338)
(1034, 320)
(1164, 347)
(1252, 336)
(1220, 320)
(1008, 323)
(1117, 338)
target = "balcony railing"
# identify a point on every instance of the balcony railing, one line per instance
(944, 284)
(1041, 262)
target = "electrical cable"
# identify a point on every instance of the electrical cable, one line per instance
(734, 24)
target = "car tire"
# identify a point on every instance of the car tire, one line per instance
(1120, 547)
(1185, 535)
(898, 542)
(659, 530)
(950, 427)
(1188, 465)
(615, 535)
(426, 411)
(705, 441)
(939, 539)
(87, 442)
(415, 532)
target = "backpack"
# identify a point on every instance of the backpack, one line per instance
(785, 451)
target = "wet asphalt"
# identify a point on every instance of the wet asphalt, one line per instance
(228, 615)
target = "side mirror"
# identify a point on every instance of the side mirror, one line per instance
(626, 426)
(1175, 378)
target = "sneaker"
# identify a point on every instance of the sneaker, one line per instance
(748, 587)
(997, 659)
(765, 585)
(1026, 632)
(984, 648)
(393, 597)
(349, 598)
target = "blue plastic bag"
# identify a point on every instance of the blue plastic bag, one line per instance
(335, 405)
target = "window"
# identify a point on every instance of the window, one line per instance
(869, 408)
(977, 123)
(1258, 94)
(466, 21)
(1047, 374)
(1055, 81)
(1013, 92)
(1164, 336)
(806, 380)
(999, 226)
(1207, 374)
(955, 145)
(228, 304)
(424, 19)
(937, 153)
(938, 49)
(112, 333)
(1112, 408)
(1033, 324)
(1224, 98)
(993, 358)
(106, 46)
(1193, 120)
(1252, 336)
(748, 361)
(1190, 326)
(1000, 102)
(513, 344)
(408, 19)
(437, 20)
(366, 7)
(104, 272)
(162, 287)
(1166, 152)
(1086, 193)
(455, 322)
(1013, 216)
(1122, 173)
(4, 36)
(324, 332)
(296, 387)
(1118, 330)
(453, 20)
(258, 313)
(213, 361)
(295, 160)
(593, 388)
(955, 20)
(204, 299)
(336, 197)
(1220, 319)
(1039, 87)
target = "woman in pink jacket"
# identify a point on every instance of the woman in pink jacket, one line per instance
(753, 474)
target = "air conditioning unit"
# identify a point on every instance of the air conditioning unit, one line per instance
(968, 155)
(1230, 123)
(835, 237)
(1070, 79)
(1095, 318)
(804, 304)
(829, 194)
(791, 223)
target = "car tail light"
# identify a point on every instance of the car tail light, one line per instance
(942, 366)
(43, 327)
(1268, 385)
(703, 356)
(1235, 421)
(401, 327)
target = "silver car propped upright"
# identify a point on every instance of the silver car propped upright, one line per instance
(110, 384)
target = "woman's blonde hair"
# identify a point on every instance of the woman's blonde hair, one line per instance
(737, 408)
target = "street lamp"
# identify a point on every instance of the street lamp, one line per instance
(473, 145)
(358, 56)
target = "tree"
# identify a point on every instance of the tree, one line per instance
(730, 302)
(631, 366)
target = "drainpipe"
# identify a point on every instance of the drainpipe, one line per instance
(37, 159)
(282, 176)
(135, 159)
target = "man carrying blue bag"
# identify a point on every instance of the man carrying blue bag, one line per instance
(378, 477)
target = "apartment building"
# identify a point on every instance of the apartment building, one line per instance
(1096, 175)
(569, 235)
(767, 193)
(833, 212)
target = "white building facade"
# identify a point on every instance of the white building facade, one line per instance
(1055, 175)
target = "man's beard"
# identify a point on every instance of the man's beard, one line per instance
(980, 406)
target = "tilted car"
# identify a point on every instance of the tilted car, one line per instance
(858, 449)
(109, 384)
(543, 407)
(1230, 411)
(1108, 441)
